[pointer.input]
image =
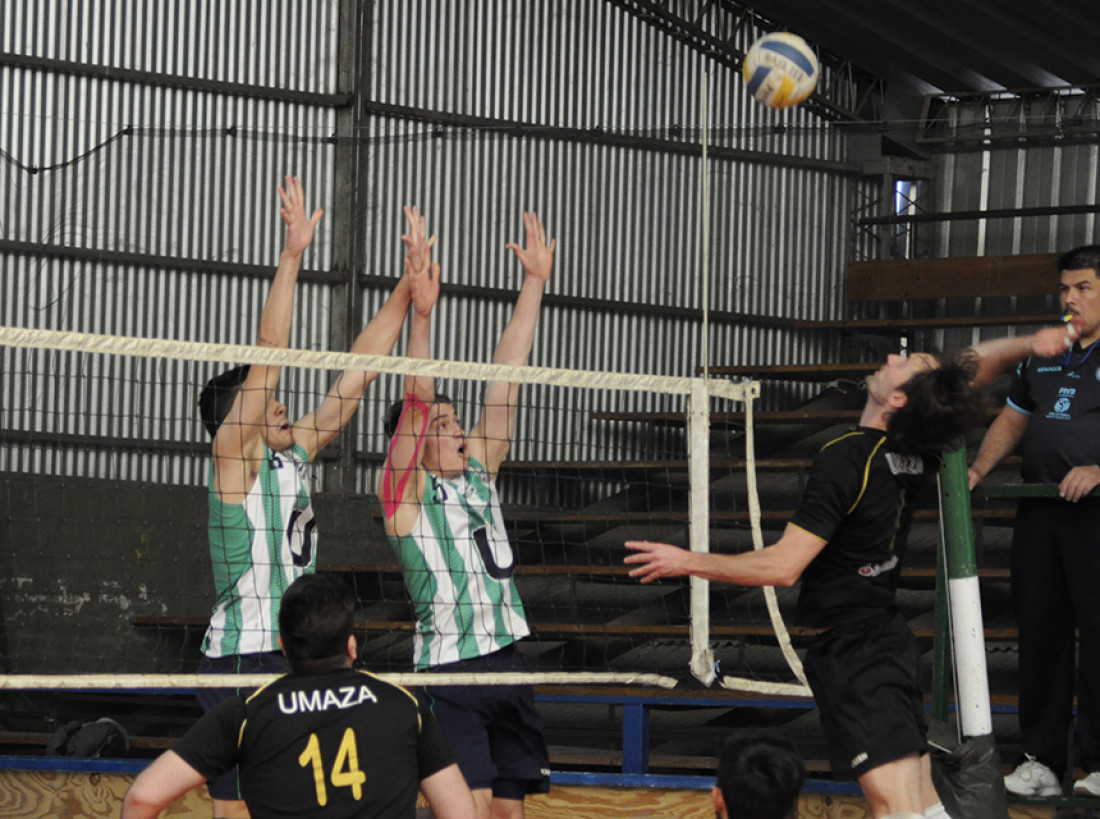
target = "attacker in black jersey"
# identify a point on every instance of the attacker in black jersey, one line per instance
(846, 543)
(324, 740)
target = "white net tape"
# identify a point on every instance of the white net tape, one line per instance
(121, 682)
(697, 390)
(436, 368)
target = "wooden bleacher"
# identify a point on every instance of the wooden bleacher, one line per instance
(886, 299)
(896, 296)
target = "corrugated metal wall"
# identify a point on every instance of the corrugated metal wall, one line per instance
(1008, 176)
(167, 172)
(1022, 177)
(140, 201)
(627, 218)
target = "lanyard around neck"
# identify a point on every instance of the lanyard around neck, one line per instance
(1067, 356)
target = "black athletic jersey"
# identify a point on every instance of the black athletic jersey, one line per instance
(334, 744)
(859, 499)
(1061, 397)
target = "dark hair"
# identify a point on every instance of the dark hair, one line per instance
(759, 777)
(316, 617)
(216, 398)
(393, 414)
(1081, 258)
(941, 405)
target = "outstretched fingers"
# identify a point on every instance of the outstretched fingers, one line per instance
(650, 560)
(536, 256)
(419, 248)
(423, 273)
(293, 211)
(536, 232)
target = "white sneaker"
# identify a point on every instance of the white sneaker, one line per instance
(1033, 778)
(1089, 786)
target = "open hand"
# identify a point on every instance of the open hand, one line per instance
(537, 257)
(423, 273)
(656, 560)
(299, 227)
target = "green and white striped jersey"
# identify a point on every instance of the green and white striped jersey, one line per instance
(257, 549)
(458, 566)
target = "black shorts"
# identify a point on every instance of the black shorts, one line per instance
(226, 786)
(494, 731)
(864, 679)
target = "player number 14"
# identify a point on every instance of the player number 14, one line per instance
(345, 769)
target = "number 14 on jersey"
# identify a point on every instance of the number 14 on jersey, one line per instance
(345, 771)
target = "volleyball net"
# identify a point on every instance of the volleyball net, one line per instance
(108, 579)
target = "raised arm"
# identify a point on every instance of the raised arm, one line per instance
(780, 564)
(490, 439)
(994, 356)
(424, 275)
(998, 354)
(239, 436)
(399, 500)
(315, 430)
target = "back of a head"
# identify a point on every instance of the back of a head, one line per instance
(941, 405)
(316, 617)
(217, 396)
(1085, 257)
(759, 777)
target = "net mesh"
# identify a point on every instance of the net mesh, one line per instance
(109, 570)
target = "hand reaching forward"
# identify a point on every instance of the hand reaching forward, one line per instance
(657, 560)
(423, 273)
(537, 257)
(299, 228)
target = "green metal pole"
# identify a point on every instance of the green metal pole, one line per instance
(968, 635)
(958, 524)
(941, 649)
(973, 784)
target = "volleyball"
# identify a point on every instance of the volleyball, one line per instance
(781, 69)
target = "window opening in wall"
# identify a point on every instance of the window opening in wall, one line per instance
(907, 195)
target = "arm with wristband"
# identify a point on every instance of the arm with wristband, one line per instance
(400, 501)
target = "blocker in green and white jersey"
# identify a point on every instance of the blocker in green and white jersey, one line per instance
(257, 549)
(458, 564)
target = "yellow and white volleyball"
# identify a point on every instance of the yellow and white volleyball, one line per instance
(781, 69)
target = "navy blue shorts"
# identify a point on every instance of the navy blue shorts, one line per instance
(865, 683)
(494, 731)
(226, 786)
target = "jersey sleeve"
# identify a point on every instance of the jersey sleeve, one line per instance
(432, 752)
(1019, 394)
(834, 487)
(210, 747)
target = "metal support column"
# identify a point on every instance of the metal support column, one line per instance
(348, 226)
(967, 629)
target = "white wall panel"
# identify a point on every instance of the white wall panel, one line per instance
(157, 164)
